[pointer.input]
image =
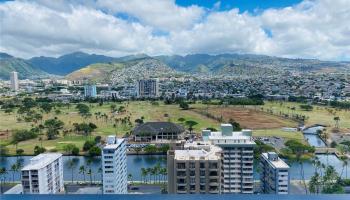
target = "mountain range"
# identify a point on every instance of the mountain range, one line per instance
(99, 67)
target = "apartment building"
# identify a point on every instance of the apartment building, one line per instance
(236, 159)
(90, 91)
(43, 175)
(147, 88)
(14, 81)
(115, 178)
(194, 170)
(274, 177)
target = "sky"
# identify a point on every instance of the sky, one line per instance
(317, 29)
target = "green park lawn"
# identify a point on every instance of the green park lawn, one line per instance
(152, 112)
(319, 114)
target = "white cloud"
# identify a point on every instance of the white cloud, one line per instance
(161, 14)
(311, 29)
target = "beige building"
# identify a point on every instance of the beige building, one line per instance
(237, 159)
(195, 169)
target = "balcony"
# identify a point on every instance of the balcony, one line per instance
(182, 191)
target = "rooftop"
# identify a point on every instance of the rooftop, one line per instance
(154, 128)
(41, 161)
(113, 142)
(277, 164)
(197, 151)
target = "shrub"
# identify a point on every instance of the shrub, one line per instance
(88, 145)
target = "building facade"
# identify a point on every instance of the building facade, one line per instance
(274, 178)
(157, 131)
(14, 81)
(147, 88)
(114, 166)
(194, 170)
(43, 175)
(90, 91)
(237, 159)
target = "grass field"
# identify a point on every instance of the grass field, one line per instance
(262, 124)
(319, 115)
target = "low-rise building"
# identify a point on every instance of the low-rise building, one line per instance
(155, 131)
(274, 175)
(43, 175)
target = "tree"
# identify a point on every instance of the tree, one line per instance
(82, 170)
(97, 139)
(23, 135)
(53, 126)
(306, 107)
(88, 145)
(190, 125)
(130, 178)
(3, 172)
(150, 149)
(14, 169)
(71, 165)
(71, 149)
(46, 107)
(336, 119)
(184, 105)
(83, 109)
(3, 150)
(89, 172)
(19, 152)
(38, 150)
(235, 125)
(94, 151)
(181, 119)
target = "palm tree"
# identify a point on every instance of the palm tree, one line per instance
(88, 162)
(336, 119)
(3, 172)
(71, 165)
(14, 170)
(82, 170)
(89, 172)
(100, 172)
(130, 178)
(144, 173)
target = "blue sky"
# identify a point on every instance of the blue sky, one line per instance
(317, 29)
(243, 5)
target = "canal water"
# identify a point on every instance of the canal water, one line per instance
(311, 136)
(136, 162)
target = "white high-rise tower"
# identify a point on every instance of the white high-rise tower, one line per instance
(14, 81)
(115, 177)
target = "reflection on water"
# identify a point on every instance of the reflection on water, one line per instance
(136, 162)
(314, 140)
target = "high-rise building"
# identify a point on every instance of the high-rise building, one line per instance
(14, 81)
(274, 175)
(236, 159)
(147, 88)
(90, 91)
(194, 170)
(43, 175)
(115, 176)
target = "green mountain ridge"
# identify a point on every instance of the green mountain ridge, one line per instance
(24, 69)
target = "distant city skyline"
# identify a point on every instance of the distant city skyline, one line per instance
(295, 29)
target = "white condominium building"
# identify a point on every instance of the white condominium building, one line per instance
(275, 174)
(43, 175)
(115, 177)
(236, 159)
(14, 81)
